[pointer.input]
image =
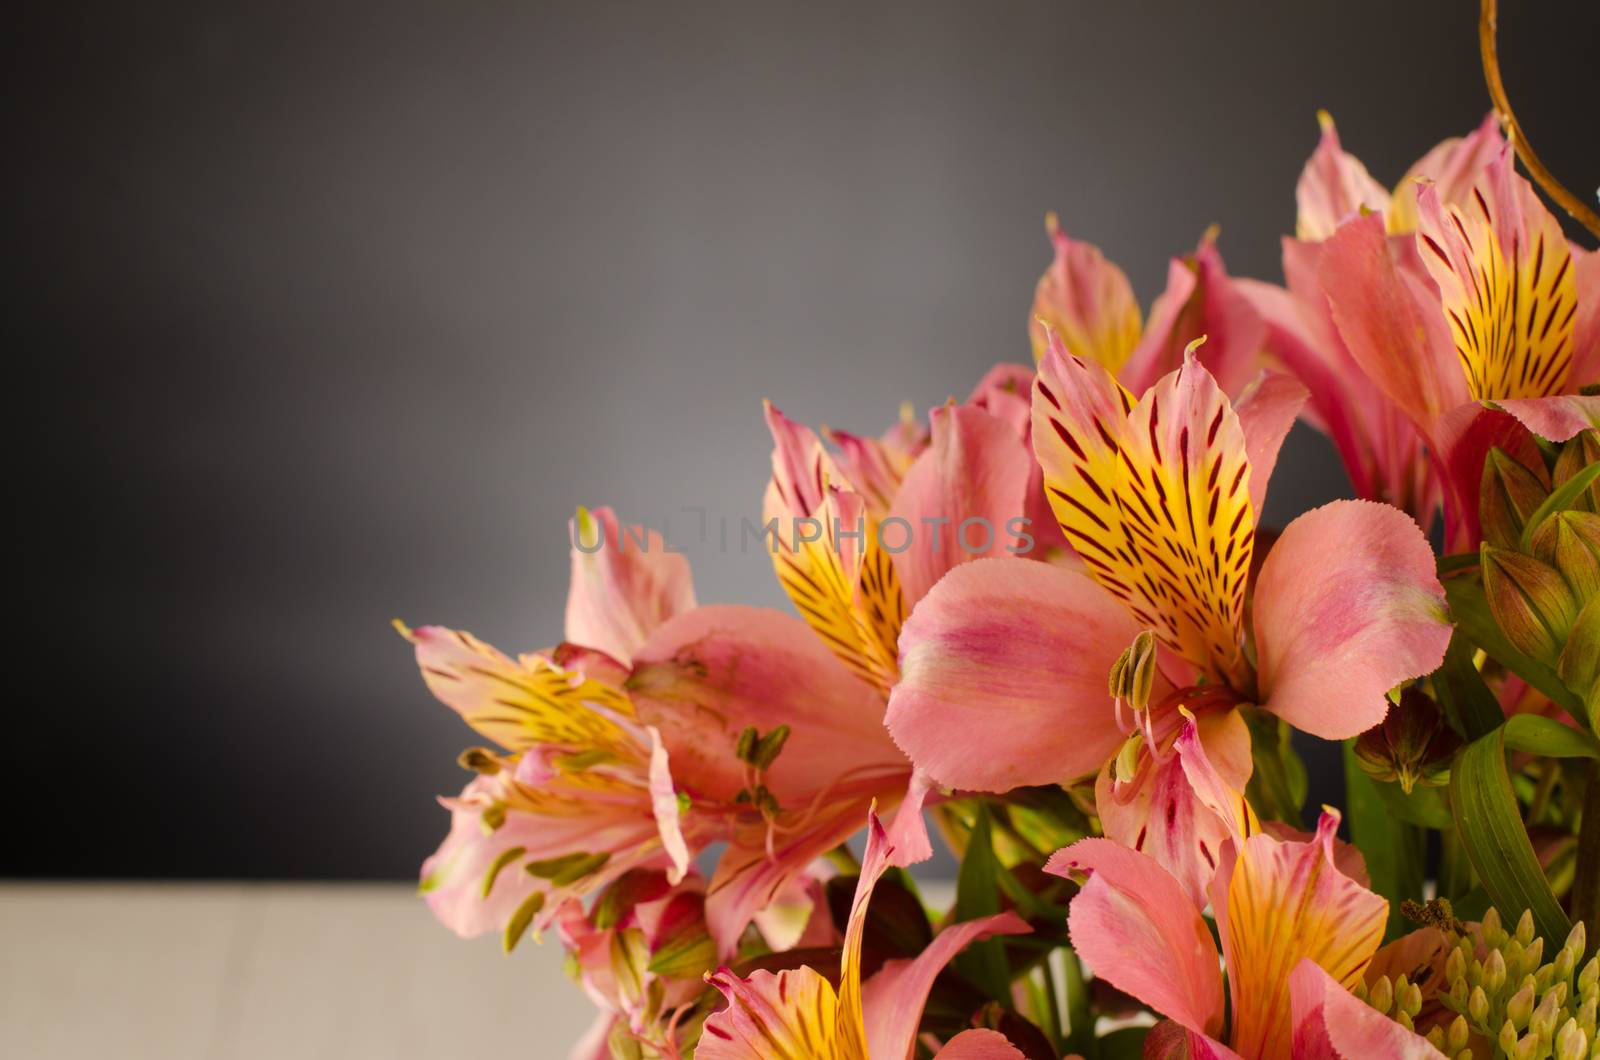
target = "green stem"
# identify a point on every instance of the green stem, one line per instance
(1586, 881)
(1080, 1017)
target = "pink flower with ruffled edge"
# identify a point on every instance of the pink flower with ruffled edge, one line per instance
(1004, 665)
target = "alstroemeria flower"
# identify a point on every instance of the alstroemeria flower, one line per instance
(797, 1013)
(579, 791)
(1004, 665)
(1087, 302)
(1492, 338)
(1380, 448)
(580, 794)
(1297, 935)
(705, 676)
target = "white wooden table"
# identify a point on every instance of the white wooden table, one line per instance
(279, 971)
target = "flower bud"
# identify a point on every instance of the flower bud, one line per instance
(1569, 541)
(1520, 1008)
(1478, 1005)
(1579, 664)
(1459, 1032)
(1530, 601)
(1579, 452)
(1570, 1042)
(1412, 745)
(1508, 1038)
(1525, 931)
(1380, 995)
(1508, 495)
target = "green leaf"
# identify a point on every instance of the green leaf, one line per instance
(1395, 849)
(1465, 699)
(1561, 498)
(978, 895)
(1470, 610)
(1489, 822)
(1548, 737)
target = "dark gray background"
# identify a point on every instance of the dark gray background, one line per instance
(332, 313)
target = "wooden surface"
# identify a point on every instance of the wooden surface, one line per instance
(280, 971)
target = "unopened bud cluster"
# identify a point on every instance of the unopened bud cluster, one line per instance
(1505, 993)
(1540, 559)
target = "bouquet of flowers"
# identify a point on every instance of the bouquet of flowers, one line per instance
(1048, 621)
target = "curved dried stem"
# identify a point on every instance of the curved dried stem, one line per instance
(1488, 19)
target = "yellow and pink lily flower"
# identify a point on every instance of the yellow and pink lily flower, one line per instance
(621, 751)
(1298, 926)
(707, 674)
(1004, 664)
(1484, 333)
(1382, 452)
(797, 1014)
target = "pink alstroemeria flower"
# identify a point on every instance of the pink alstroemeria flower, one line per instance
(797, 1013)
(1497, 334)
(583, 791)
(579, 791)
(1380, 448)
(706, 675)
(1004, 665)
(1298, 932)
(1088, 303)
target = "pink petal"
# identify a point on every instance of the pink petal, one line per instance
(893, 1000)
(1173, 1041)
(1330, 1023)
(1555, 418)
(1159, 812)
(1333, 187)
(664, 805)
(979, 1045)
(1452, 166)
(1201, 300)
(966, 488)
(1266, 411)
(625, 583)
(1463, 437)
(1005, 393)
(1347, 605)
(1391, 323)
(707, 674)
(1003, 676)
(750, 875)
(1086, 300)
(1140, 932)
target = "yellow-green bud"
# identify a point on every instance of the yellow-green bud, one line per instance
(1520, 1008)
(1508, 495)
(1459, 1033)
(1570, 542)
(1579, 452)
(1494, 972)
(1525, 933)
(1508, 1038)
(1380, 995)
(1530, 601)
(1478, 1005)
(1571, 1043)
